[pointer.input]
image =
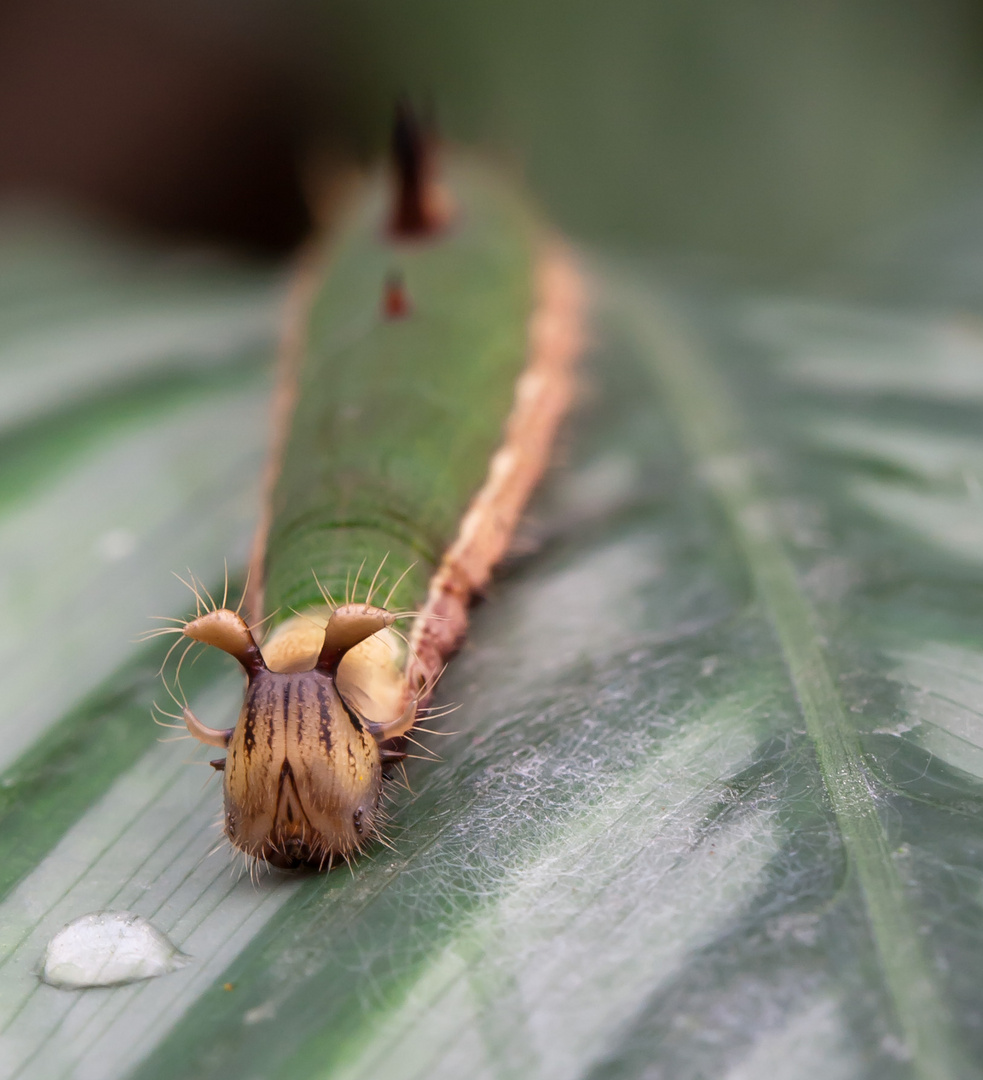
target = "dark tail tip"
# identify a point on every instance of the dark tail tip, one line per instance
(415, 211)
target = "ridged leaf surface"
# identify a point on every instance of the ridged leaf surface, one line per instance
(711, 802)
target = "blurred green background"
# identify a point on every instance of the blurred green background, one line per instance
(757, 129)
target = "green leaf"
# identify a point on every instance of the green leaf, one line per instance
(710, 805)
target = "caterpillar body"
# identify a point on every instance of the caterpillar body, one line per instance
(426, 366)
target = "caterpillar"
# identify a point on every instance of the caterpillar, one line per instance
(427, 363)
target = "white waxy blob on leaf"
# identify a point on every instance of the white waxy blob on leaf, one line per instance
(108, 948)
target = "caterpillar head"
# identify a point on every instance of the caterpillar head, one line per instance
(303, 772)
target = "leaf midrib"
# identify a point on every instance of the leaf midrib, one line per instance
(711, 427)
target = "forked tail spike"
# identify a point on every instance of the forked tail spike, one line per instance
(415, 210)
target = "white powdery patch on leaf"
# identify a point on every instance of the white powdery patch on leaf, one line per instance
(953, 524)
(815, 1044)
(553, 618)
(942, 458)
(943, 695)
(624, 888)
(844, 347)
(108, 948)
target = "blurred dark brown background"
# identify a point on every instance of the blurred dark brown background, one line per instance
(186, 125)
(749, 128)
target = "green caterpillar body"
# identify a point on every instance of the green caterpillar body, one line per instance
(425, 372)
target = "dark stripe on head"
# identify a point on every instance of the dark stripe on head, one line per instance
(286, 709)
(324, 721)
(249, 727)
(352, 715)
(301, 708)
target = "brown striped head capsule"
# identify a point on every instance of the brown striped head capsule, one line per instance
(303, 771)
